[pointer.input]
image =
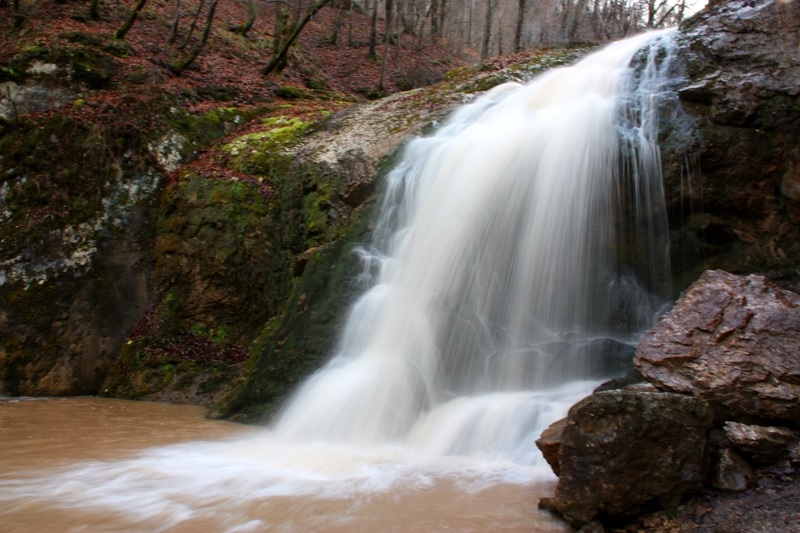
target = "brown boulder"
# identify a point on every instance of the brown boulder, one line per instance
(731, 472)
(549, 442)
(625, 452)
(733, 341)
(765, 444)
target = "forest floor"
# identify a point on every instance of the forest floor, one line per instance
(229, 67)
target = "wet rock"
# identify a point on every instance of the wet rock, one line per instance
(731, 472)
(549, 442)
(730, 148)
(765, 444)
(592, 527)
(733, 341)
(623, 453)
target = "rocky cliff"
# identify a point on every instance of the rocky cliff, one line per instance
(731, 146)
(716, 411)
(147, 251)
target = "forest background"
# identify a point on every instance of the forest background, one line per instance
(364, 49)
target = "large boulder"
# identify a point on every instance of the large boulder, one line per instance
(625, 452)
(733, 341)
(730, 148)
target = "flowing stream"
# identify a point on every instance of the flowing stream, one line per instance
(520, 252)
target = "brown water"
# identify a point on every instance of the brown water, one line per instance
(87, 464)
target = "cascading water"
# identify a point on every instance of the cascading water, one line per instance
(501, 290)
(519, 253)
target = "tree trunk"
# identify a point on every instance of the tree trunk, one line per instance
(470, 25)
(94, 10)
(177, 68)
(244, 27)
(194, 25)
(387, 33)
(520, 25)
(122, 30)
(173, 31)
(442, 16)
(338, 20)
(280, 58)
(373, 32)
(436, 31)
(17, 17)
(487, 29)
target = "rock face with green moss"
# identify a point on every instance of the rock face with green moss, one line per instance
(127, 274)
(78, 194)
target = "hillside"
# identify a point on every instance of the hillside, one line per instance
(228, 68)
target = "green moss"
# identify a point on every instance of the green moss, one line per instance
(207, 127)
(265, 153)
(104, 43)
(293, 345)
(93, 69)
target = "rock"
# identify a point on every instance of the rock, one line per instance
(729, 147)
(624, 452)
(549, 442)
(593, 527)
(731, 472)
(18, 100)
(733, 341)
(764, 443)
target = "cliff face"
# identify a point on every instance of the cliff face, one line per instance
(732, 147)
(728, 349)
(127, 272)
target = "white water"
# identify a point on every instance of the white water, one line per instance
(498, 298)
(498, 295)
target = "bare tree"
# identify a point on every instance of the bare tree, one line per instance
(94, 10)
(280, 57)
(173, 30)
(436, 30)
(245, 26)
(520, 25)
(193, 25)
(17, 18)
(123, 29)
(373, 32)
(487, 27)
(387, 32)
(179, 66)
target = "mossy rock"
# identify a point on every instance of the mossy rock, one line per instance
(219, 254)
(91, 68)
(298, 342)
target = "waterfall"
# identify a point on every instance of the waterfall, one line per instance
(519, 252)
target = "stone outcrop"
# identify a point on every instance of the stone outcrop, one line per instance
(624, 452)
(731, 472)
(733, 341)
(720, 402)
(764, 444)
(731, 147)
